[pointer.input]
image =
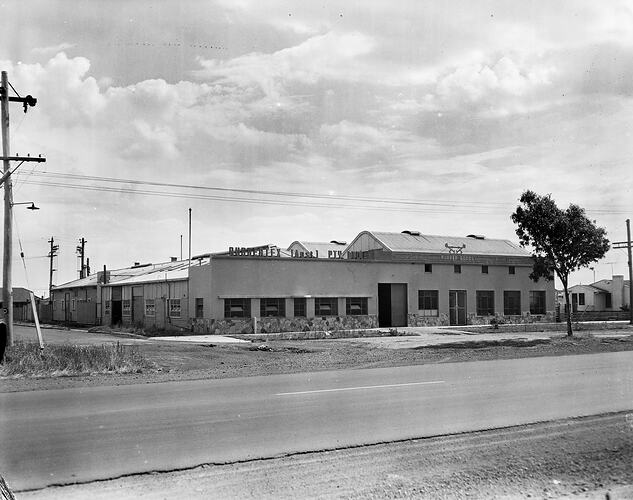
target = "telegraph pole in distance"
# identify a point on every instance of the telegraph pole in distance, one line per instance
(51, 255)
(7, 287)
(81, 249)
(627, 244)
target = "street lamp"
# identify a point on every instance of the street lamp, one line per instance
(31, 207)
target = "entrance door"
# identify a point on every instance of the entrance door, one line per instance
(457, 307)
(137, 305)
(392, 304)
(117, 305)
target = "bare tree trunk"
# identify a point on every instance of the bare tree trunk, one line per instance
(568, 306)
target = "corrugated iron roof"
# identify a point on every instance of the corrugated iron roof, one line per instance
(19, 295)
(165, 271)
(424, 243)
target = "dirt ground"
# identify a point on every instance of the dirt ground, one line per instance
(180, 361)
(575, 458)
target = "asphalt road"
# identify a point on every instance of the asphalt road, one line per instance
(75, 435)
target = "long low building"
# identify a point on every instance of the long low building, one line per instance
(379, 280)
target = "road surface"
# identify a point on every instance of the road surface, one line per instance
(76, 435)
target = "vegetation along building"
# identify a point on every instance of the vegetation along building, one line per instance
(380, 279)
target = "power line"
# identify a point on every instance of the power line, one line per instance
(271, 193)
(431, 209)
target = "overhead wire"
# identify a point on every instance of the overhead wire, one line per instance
(288, 198)
(431, 209)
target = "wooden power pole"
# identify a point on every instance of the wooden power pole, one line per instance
(627, 244)
(7, 287)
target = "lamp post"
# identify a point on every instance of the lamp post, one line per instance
(31, 207)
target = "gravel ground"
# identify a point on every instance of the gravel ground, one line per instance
(575, 458)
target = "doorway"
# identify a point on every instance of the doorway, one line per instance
(457, 307)
(392, 304)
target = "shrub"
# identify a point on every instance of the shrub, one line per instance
(28, 360)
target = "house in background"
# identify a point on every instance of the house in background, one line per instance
(603, 295)
(22, 310)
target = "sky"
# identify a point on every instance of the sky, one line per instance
(276, 121)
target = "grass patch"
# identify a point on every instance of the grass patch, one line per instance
(27, 360)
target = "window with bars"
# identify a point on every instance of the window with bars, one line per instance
(237, 308)
(537, 302)
(300, 307)
(511, 303)
(127, 307)
(325, 306)
(150, 307)
(174, 308)
(485, 302)
(356, 306)
(199, 308)
(275, 307)
(428, 302)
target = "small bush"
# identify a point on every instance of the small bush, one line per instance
(27, 360)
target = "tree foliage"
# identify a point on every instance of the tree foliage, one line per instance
(562, 241)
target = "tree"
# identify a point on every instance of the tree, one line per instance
(562, 241)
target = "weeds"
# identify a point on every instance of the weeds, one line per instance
(27, 360)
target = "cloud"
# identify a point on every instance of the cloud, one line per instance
(51, 50)
(332, 56)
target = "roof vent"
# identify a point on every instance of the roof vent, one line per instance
(476, 236)
(412, 233)
(337, 242)
(138, 264)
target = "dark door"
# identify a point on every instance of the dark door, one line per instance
(137, 305)
(399, 307)
(384, 304)
(392, 304)
(117, 312)
(67, 312)
(457, 307)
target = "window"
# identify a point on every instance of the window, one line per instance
(72, 305)
(199, 308)
(457, 268)
(537, 302)
(127, 308)
(356, 306)
(428, 268)
(427, 302)
(485, 303)
(484, 269)
(512, 303)
(608, 303)
(325, 306)
(237, 308)
(174, 308)
(300, 307)
(150, 307)
(581, 299)
(272, 307)
(511, 270)
(107, 307)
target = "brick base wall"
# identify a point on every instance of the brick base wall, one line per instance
(275, 325)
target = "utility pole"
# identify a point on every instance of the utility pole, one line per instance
(52, 254)
(627, 244)
(7, 287)
(81, 250)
